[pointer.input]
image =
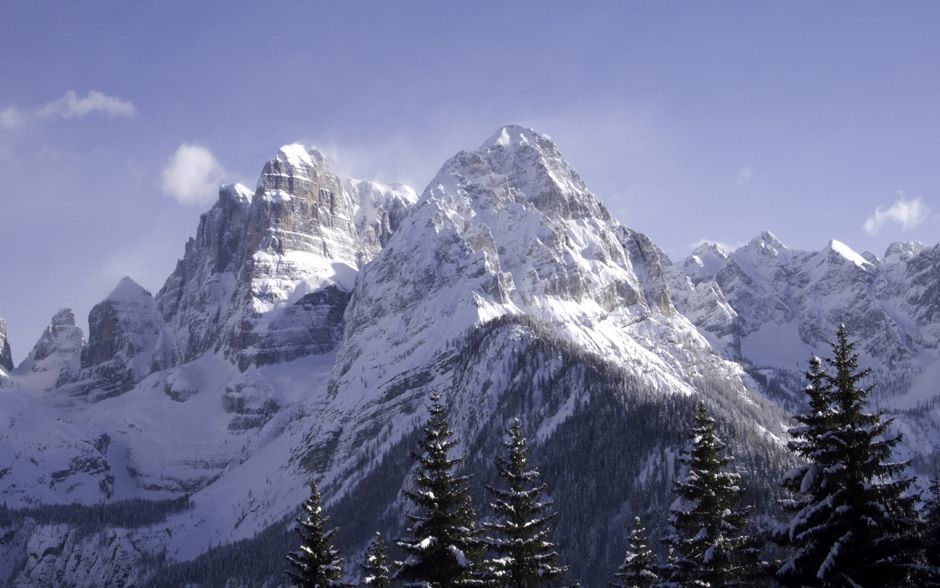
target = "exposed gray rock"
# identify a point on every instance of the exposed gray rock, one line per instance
(56, 357)
(243, 285)
(61, 555)
(6, 356)
(127, 340)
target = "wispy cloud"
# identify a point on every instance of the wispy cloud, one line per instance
(70, 105)
(193, 175)
(904, 213)
(744, 174)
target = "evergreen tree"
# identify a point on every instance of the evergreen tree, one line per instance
(525, 556)
(932, 528)
(667, 570)
(854, 520)
(444, 548)
(375, 565)
(316, 563)
(709, 536)
(638, 563)
(807, 483)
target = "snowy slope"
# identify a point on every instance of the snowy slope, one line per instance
(306, 324)
(774, 307)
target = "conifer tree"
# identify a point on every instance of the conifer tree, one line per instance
(375, 565)
(444, 548)
(525, 556)
(854, 520)
(667, 570)
(709, 538)
(932, 529)
(638, 562)
(316, 564)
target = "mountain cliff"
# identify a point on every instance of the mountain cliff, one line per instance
(270, 271)
(309, 320)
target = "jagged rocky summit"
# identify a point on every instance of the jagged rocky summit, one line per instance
(6, 355)
(308, 321)
(771, 308)
(269, 273)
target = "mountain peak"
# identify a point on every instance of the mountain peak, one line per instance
(237, 193)
(299, 155)
(705, 260)
(767, 241)
(711, 249)
(848, 253)
(513, 135)
(64, 317)
(904, 250)
(127, 290)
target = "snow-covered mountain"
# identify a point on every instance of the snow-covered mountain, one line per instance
(772, 308)
(269, 273)
(309, 320)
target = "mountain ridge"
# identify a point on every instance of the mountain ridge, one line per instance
(308, 321)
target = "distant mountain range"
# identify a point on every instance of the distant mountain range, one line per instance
(310, 319)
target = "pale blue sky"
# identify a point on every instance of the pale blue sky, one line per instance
(691, 120)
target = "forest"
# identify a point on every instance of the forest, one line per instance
(849, 514)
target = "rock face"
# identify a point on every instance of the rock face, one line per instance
(6, 355)
(241, 287)
(110, 559)
(127, 340)
(510, 229)
(57, 356)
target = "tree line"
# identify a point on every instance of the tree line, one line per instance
(853, 517)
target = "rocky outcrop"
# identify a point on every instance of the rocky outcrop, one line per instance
(127, 340)
(243, 285)
(6, 355)
(62, 555)
(56, 357)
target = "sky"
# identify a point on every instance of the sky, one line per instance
(691, 120)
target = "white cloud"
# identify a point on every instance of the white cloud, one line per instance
(907, 214)
(193, 175)
(744, 174)
(71, 105)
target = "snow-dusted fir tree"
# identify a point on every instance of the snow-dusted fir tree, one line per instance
(444, 547)
(521, 541)
(375, 567)
(709, 528)
(316, 564)
(809, 483)
(932, 528)
(639, 562)
(854, 520)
